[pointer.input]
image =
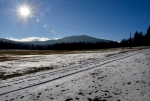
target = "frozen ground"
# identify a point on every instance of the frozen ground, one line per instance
(120, 77)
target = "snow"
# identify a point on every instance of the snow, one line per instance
(120, 77)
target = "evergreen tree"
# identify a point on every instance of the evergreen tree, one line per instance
(148, 36)
(136, 39)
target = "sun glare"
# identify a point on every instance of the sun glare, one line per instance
(24, 11)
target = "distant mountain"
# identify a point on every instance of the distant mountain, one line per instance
(82, 38)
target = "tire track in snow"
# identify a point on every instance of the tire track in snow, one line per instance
(75, 72)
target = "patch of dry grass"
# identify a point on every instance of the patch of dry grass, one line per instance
(124, 50)
(4, 58)
(46, 52)
(30, 71)
(32, 52)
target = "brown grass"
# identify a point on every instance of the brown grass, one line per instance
(17, 74)
(124, 50)
(4, 58)
(46, 52)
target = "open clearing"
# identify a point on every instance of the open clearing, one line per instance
(95, 75)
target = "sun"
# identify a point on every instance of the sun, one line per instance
(24, 11)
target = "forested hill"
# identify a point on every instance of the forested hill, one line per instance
(69, 39)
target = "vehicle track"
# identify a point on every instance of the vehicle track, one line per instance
(75, 69)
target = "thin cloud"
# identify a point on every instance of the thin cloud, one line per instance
(53, 32)
(29, 39)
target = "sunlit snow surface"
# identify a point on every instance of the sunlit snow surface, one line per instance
(121, 77)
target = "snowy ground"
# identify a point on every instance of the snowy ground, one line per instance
(120, 77)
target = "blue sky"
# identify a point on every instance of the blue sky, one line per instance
(50, 19)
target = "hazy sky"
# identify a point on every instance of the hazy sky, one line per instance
(50, 19)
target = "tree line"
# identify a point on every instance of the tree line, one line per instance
(59, 46)
(139, 39)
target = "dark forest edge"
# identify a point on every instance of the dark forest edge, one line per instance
(139, 39)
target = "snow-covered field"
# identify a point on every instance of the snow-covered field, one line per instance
(22, 63)
(90, 76)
